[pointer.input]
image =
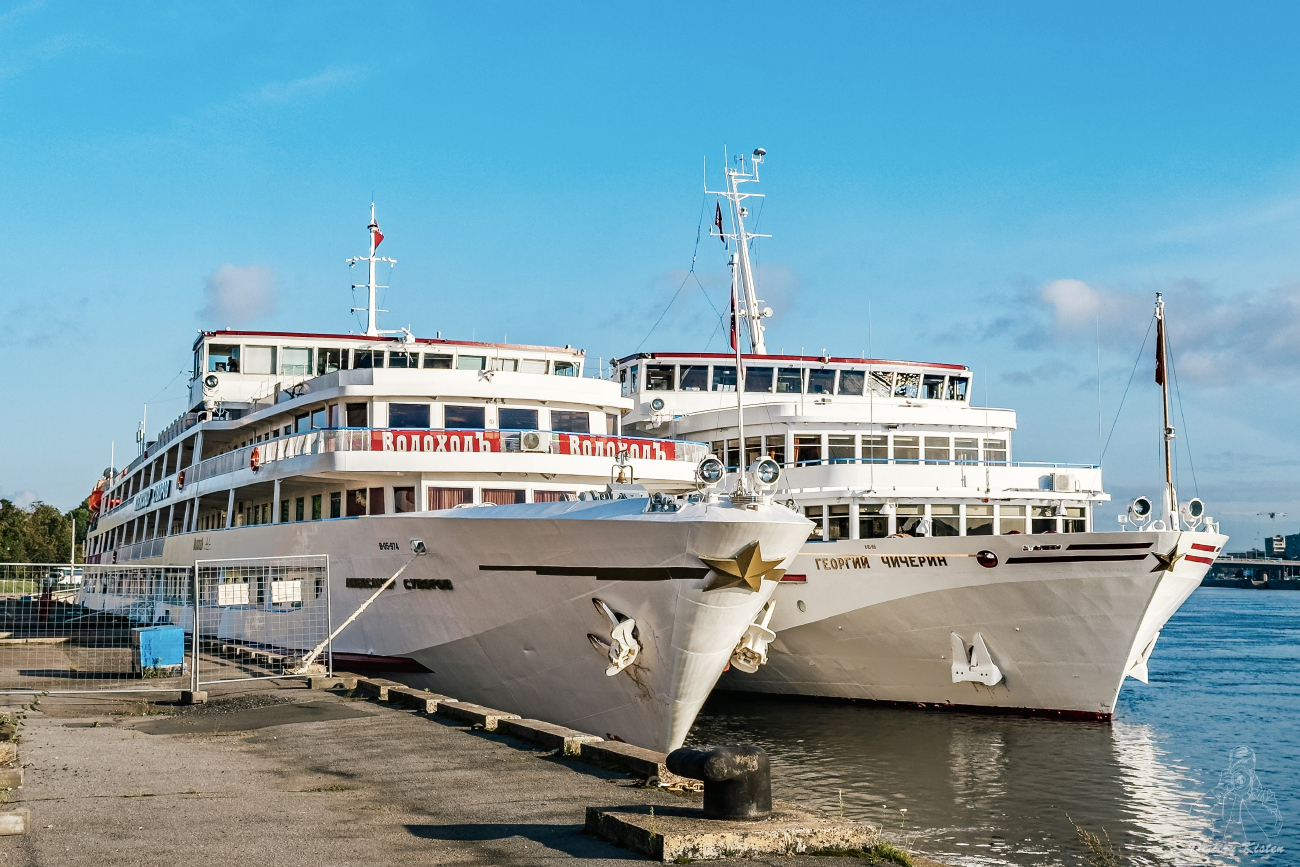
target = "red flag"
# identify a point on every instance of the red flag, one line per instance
(717, 221)
(1160, 350)
(377, 236)
(733, 319)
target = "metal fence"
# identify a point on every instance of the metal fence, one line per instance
(102, 628)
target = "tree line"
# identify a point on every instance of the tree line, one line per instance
(41, 533)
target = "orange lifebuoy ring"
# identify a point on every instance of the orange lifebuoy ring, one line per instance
(180, 480)
(255, 459)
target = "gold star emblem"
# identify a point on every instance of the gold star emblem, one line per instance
(746, 569)
(1165, 562)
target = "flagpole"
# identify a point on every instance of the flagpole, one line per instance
(741, 482)
(1162, 377)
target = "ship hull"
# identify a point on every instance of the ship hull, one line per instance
(492, 631)
(1065, 618)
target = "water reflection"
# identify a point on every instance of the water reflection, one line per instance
(980, 790)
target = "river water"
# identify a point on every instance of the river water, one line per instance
(980, 790)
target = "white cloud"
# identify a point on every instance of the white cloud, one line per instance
(237, 296)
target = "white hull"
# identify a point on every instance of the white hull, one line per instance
(1064, 626)
(515, 639)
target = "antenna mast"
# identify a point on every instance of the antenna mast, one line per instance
(372, 317)
(751, 312)
(1162, 377)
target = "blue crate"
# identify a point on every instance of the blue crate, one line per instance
(159, 651)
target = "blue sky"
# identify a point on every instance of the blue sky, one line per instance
(995, 183)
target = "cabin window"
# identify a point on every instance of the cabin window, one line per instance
(1011, 519)
(284, 511)
(775, 449)
(503, 496)
(471, 362)
(932, 387)
(566, 368)
(695, 377)
(881, 382)
(316, 505)
(295, 361)
(852, 382)
(907, 385)
(318, 419)
(753, 449)
(1044, 519)
(259, 359)
(509, 365)
(436, 361)
(468, 417)
(449, 498)
(758, 379)
(356, 503)
(517, 419)
(551, 496)
(907, 450)
(944, 520)
(732, 459)
(789, 380)
(627, 379)
(820, 382)
(408, 415)
(357, 415)
(1075, 520)
(570, 421)
(841, 449)
(660, 377)
(871, 523)
(995, 451)
(611, 424)
(807, 449)
(837, 523)
(336, 504)
(223, 359)
(814, 514)
(909, 517)
(979, 520)
(328, 360)
(936, 450)
(363, 359)
(404, 499)
(724, 378)
(301, 423)
(966, 451)
(957, 387)
(875, 449)
(403, 359)
(376, 499)
(532, 365)
(300, 509)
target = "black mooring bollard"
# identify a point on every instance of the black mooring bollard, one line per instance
(737, 779)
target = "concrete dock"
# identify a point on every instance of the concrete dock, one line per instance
(275, 773)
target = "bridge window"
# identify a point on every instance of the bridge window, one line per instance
(467, 417)
(570, 421)
(627, 377)
(907, 385)
(957, 387)
(881, 382)
(820, 382)
(364, 359)
(979, 520)
(932, 387)
(259, 359)
(532, 365)
(223, 359)
(295, 361)
(517, 419)
(328, 360)
(471, 362)
(724, 378)
(695, 377)
(566, 368)
(409, 415)
(437, 361)
(995, 451)
(789, 380)
(660, 377)
(510, 365)
(758, 379)
(851, 382)
(907, 450)
(403, 359)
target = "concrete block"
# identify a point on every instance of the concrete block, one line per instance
(8, 752)
(473, 714)
(8, 732)
(376, 687)
(636, 761)
(417, 699)
(547, 735)
(192, 697)
(11, 778)
(15, 821)
(681, 834)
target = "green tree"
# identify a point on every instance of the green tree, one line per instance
(41, 534)
(13, 533)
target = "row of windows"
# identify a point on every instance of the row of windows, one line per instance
(795, 380)
(809, 449)
(298, 361)
(874, 520)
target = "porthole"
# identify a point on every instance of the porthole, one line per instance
(801, 606)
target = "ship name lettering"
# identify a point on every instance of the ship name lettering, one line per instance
(833, 563)
(427, 584)
(389, 546)
(897, 562)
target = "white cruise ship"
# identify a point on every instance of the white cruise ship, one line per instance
(613, 612)
(940, 571)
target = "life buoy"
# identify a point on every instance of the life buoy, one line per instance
(255, 459)
(180, 480)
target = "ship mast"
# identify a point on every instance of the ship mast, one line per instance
(1162, 377)
(752, 313)
(372, 317)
